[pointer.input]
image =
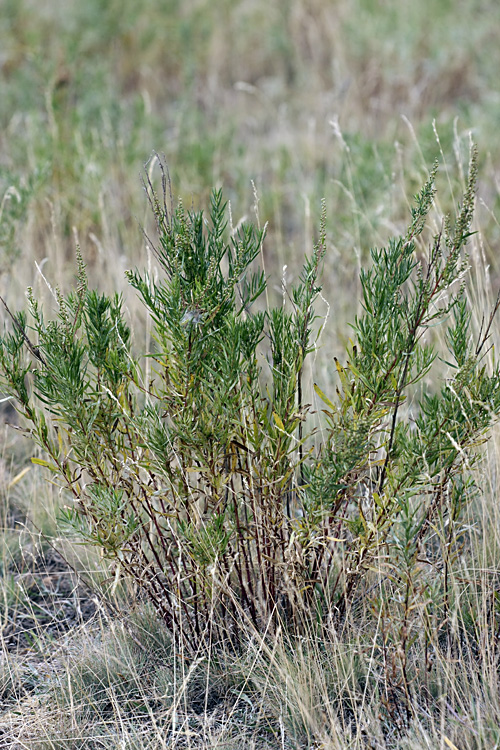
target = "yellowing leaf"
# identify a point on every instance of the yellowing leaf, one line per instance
(324, 398)
(18, 477)
(449, 743)
(278, 421)
(343, 376)
(41, 462)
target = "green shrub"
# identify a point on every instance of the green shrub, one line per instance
(197, 468)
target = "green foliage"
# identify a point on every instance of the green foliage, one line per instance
(204, 483)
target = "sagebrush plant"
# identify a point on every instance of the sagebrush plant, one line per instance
(205, 483)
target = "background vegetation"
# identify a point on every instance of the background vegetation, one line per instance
(282, 104)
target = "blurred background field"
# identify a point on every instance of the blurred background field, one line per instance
(347, 101)
(282, 103)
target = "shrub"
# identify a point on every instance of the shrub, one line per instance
(206, 482)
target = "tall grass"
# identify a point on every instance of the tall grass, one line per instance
(87, 94)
